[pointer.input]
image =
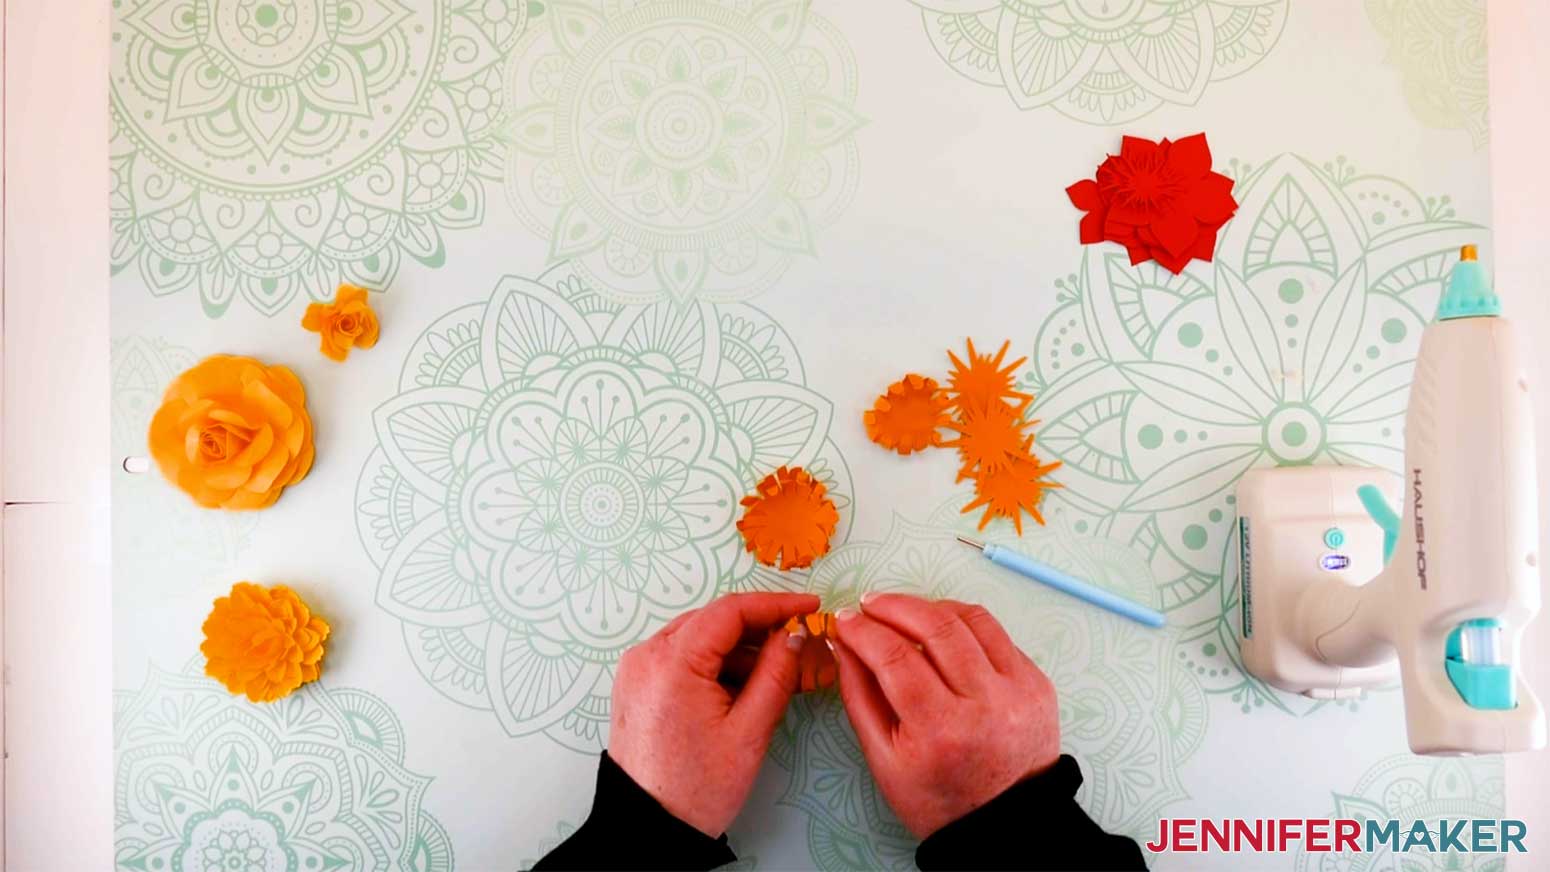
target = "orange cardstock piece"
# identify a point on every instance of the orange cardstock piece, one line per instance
(908, 417)
(1012, 490)
(263, 642)
(789, 520)
(974, 386)
(989, 439)
(233, 432)
(816, 668)
(348, 322)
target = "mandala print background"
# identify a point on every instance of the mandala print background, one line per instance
(314, 781)
(681, 149)
(1439, 48)
(558, 477)
(1102, 61)
(1130, 710)
(266, 149)
(1294, 347)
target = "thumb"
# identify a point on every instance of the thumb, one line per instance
(762, 703)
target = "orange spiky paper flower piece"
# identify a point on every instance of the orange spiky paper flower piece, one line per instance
(1014, 489)
(816, 668)
(908, 416)
(990, 439)
(983, 381)
(789, 519)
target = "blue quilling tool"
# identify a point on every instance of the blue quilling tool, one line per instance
(1087, 592)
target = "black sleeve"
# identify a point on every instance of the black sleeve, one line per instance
(628, 829)
(1035, 824)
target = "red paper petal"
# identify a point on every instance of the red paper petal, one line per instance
(1205, 244)
(1176, 231)
(1119, 231)
(1190, 157)
(1138, 254)
(1172, 263)
(1091, 228)
(1212, 201)
(1133, 148)
(1084, 195)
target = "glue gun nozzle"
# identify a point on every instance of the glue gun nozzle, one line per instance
(971, 543)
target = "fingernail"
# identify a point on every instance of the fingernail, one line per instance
(796, 639)
(830, 643)
(868, 597)
(845, 614)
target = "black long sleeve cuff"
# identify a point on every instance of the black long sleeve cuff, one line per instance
(1035, 824)
(629, 829)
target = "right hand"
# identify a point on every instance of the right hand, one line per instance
(950, 725)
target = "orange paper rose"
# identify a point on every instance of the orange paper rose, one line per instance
(348, 322)
(263, 642)
(233, 432)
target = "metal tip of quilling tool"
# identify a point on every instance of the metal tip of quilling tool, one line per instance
(971, 543)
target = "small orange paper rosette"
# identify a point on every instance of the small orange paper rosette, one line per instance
(263, 642)
(908, 417)
(348, 322)
(816, 668)
(790, 519)
(233, 432)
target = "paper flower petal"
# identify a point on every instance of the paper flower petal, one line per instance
(816, 668)
(909, 416)
(263, 642)
(790, 520)
(348, 322)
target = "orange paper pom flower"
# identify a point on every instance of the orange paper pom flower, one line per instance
(789, 519)
(1012, 490)
(816, 668)
(989, 439)
(233, 432)
(976, 385)
(263, 642)
(348, 322)
(906, 418)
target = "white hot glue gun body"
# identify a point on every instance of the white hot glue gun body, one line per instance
(1325, 615)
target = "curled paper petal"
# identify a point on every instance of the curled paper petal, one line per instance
(816, 669)
(348, 322)
(790, 520)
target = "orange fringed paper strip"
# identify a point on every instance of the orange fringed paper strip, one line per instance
(990, 439)
(908, 417)
(816, 668)
(348, 322)
(263, 642)
(976, 385)
(789, 519)
(1012, 490)
(233, 432)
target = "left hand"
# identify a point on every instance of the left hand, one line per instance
(679, 731)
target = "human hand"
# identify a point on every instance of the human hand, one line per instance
(685, 737)
(949, 727)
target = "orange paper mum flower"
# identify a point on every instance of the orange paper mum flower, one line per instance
(907, 418)
(1012, 490)
(983, 381)
(989, 439)
(348, 322)
(816, 668)
(789, 519)
(263, 642)
(233, 432)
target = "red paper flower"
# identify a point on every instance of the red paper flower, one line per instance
(1158, 199)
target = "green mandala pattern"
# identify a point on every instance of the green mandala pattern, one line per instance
(159, 525)
(1102, 61)
(1439, 47)
(1295, 347)
(1130, 709)
(559, 475)
(206, 781)
(1406, 788)
(273, 148)
(681, 148)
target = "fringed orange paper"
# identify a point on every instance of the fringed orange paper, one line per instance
(263, 642)
(789, 520)
(816, 667)
(1012, 490)
(909, 416)
(976, 385)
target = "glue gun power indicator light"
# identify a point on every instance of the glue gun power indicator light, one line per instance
(1334, 562)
